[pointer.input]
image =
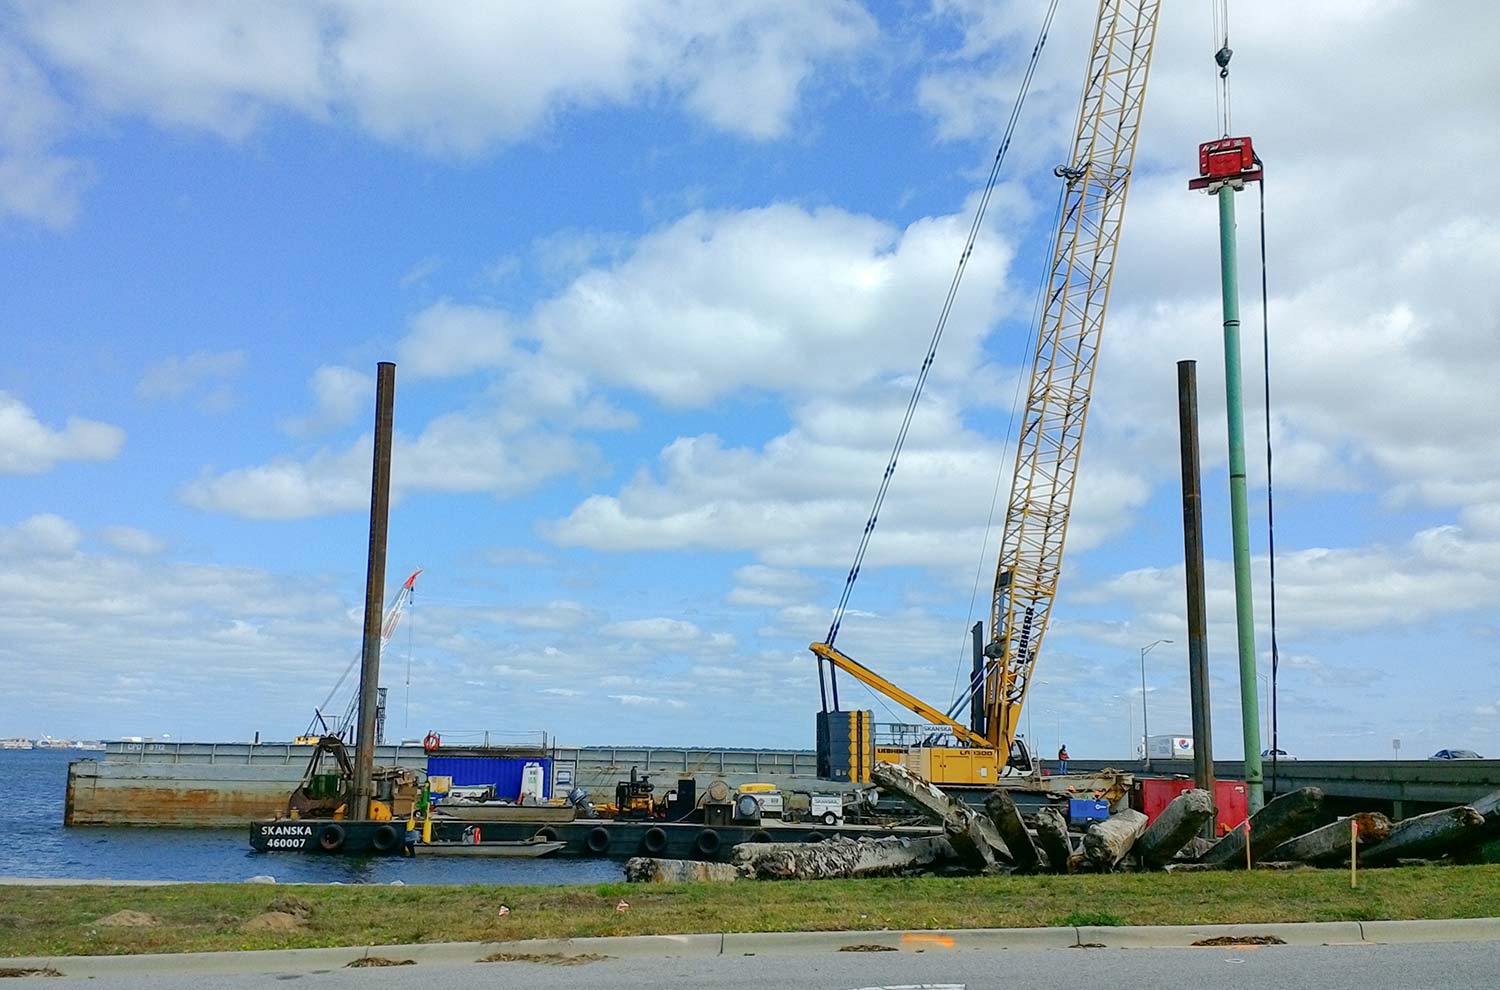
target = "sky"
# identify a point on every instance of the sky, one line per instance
(657, 278)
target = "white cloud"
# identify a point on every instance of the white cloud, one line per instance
(720, 301)
(128, 539)
(421, 271)
(204, 373)
(36, 182)
(802, 498)
(658, 630)
(46, 535)
(340, 395)
(1440, 571)
(160, 637)
(452, 79)
(764, 298)
(756, 585)
(454, 453)
(214, 66)
(29, 446)
(647, 700)
(449, 339)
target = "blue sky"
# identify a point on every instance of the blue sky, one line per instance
(656, 277)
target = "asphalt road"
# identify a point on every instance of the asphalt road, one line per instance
(1451, 966)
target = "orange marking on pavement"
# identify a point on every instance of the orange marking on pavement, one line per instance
(946, 941)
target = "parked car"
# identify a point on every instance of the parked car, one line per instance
(1455, 754)
(1281, 755)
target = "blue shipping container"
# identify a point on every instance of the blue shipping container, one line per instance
(502, 771)
(1087, 810)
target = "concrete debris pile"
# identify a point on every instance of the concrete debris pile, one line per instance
(1292, 831)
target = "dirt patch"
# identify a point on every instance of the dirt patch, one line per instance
(44, 971)
(291, 904)
(1240, 940)
(1089, 945)
(866, 947)
(545, 958)
(273, 921)
(128, 919)
(379, 961)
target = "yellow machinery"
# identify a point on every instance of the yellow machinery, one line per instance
(1097, 178)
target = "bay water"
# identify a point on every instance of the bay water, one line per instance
(34, 843)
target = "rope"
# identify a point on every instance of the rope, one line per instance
(1222, 54)
(1265, 336)
(411, 623)
(937, 336)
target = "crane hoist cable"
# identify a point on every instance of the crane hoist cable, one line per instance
(1265, 338)
(937, 336)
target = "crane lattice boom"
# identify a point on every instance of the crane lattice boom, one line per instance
(1083, 261)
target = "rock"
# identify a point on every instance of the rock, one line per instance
(291, 904)
(841, 857)
(1426, 836)
(973, 836)
(273, 921)
(397, 883)
(261, 879)
(1329, 845)
(128, 919)
(1180, 821)
(646, 869)
(1107, 842)
(1006, 817)
(1052, 836)
(1286, 817)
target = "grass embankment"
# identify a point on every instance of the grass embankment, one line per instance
(47, 921)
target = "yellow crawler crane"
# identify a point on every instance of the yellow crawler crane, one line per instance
(1097, 178)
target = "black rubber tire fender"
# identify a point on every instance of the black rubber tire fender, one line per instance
(386, 838)
(331, 837)
(597, 840)
(760, 835)
(547, 833)
(708, 842)
(814, 836)
(654, 841)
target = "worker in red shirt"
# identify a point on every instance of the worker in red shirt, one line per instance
(1062, 758)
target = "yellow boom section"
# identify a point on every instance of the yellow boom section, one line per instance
(870, 679)
(1062, 371)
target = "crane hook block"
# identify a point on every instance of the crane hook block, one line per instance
(1228, 160)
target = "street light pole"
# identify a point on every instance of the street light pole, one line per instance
(1145, 725)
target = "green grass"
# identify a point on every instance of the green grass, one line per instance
(46, 921)
(1089, 919)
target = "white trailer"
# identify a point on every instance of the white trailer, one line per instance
(1169, 747)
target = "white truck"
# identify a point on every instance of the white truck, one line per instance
(1169, 747)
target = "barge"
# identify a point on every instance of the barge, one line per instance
(598, 838)
(225, 785)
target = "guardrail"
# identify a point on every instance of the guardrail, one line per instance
(648, 759)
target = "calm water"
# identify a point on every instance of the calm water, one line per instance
(35, 844)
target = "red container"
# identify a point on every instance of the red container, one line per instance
(1153, 794)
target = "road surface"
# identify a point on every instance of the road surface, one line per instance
(1450, 966)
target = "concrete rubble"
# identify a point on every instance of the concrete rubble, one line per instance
(1291, 832)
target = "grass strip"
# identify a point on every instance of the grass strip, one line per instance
(55, 921)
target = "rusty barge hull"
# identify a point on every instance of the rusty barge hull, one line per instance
(174, 796)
